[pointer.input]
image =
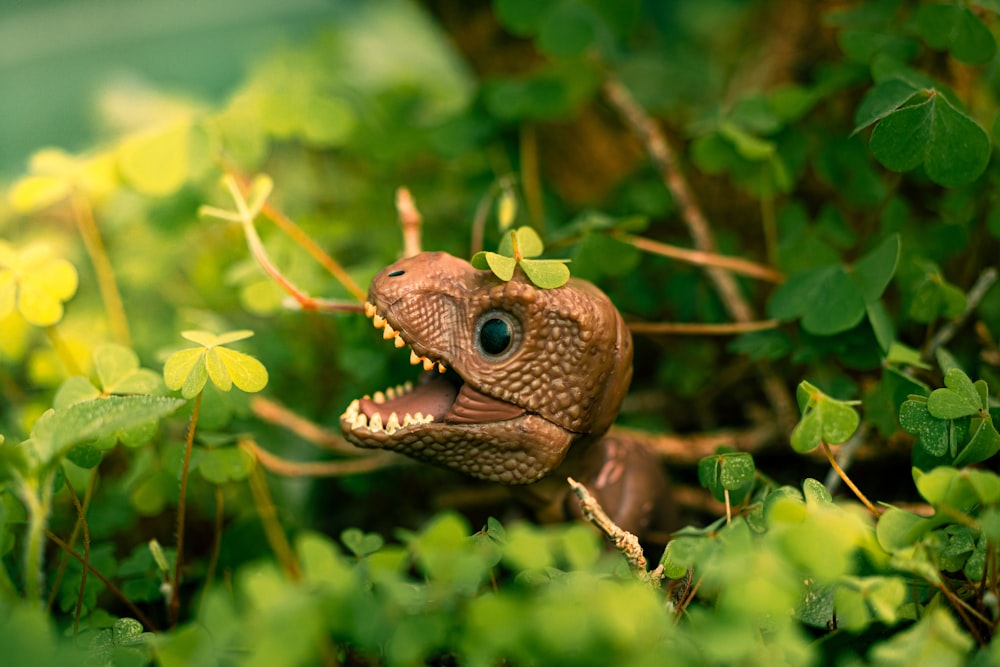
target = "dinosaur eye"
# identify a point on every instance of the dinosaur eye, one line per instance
(497, 333)
(396, 273)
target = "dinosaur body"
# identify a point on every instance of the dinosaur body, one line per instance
(519, 385)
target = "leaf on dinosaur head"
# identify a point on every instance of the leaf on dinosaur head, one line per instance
(517, 249)
(546, 273)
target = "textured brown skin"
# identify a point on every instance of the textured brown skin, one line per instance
(568, 373)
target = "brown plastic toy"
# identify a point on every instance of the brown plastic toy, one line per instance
(520, 386)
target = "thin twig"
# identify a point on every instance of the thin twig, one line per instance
(627, 543)
(276, 413)
(293, 231)
(704, 259)
(175, 597)
(690, 448)
(64, 561)
(849, 482)
(139, 615)
(482, 212)
(844, 457)
(281, 466)
(273, 531)
(653, 138)
(976, 293)
(963, 609)
(220, 517)
(655, 141)
(410, 220)
(82, 518)
(701, 329)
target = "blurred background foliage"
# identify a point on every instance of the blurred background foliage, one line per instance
(801, 128)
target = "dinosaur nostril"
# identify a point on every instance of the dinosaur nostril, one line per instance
(397, 273)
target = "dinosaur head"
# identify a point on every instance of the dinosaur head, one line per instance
(513, 374)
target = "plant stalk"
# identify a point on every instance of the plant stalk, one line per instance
(175, 598)
(849, 482)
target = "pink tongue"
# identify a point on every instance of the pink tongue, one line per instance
(432, 396)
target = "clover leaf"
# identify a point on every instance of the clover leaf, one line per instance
(189, 369)
(35, 283)
(824, 419)
(921, 126)
(518, 249)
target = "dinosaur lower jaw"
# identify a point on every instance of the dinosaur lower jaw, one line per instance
(520, 450)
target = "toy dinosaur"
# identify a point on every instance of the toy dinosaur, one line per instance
(520, 387)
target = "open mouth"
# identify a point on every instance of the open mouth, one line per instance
(440, 395)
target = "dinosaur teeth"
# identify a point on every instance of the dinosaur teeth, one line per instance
(370, 309)
(360, 421)
(399, 342)
(378, 321)
(392, 424)
(428, 364)
(378, 397)
(414, 359)
(388, 332)
(441, 368)
(390, 393)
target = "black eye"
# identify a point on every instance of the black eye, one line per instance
(396, 273)
(497, 333)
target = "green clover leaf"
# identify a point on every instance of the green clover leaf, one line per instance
(518, 249)
(824, 419)
(35, 283)
(189, 370)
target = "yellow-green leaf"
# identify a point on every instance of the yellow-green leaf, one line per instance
(203, 338)
(232, 336)
(502, 266)
(179, 366)
(156, 162)
(196, 379)
(546, 273)
(38, 307)
(246, 372)
(33, 193)
(217, 371)
(8, 293)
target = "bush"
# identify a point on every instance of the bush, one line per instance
(776, 195)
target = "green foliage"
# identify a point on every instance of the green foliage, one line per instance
(518, 250)
(846, 149)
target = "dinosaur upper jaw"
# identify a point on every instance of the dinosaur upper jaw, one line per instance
(445, 420)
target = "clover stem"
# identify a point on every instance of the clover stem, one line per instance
(295, 232)
(106, 283)
(729, 506)
(847, 480)
(175, 597)
(62, 351)
(513, 243)
(37, 498)
(213, 561)
(114, 590)
(82, 517)
(272, 527)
